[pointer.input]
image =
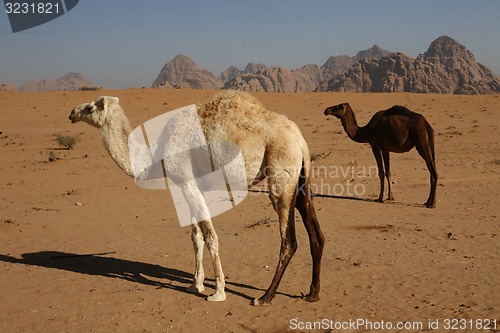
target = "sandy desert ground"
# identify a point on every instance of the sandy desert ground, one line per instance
(82, 249)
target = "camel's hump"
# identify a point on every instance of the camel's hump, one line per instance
(399, 110)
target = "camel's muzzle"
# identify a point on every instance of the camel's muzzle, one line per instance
(74, 118)
(332, 111)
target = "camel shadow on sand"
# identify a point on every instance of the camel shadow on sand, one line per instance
(133, 271)
(386, 202)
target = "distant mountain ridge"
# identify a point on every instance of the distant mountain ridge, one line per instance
(181, 72)
(447, 67)
(69, 81)
(280, 79)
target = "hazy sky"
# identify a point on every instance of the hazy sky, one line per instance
(123, 43)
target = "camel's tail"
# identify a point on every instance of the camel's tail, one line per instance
(304, 185)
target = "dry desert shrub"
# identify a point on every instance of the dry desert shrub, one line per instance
(67, 141)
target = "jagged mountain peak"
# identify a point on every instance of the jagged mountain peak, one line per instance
(182, 58)
(373, 52)
(445, 46)
(181, 71)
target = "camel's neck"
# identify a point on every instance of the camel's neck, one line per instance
(356, 133)
(115, 134)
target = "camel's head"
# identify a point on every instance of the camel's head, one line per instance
(337, 110)
(95, 112)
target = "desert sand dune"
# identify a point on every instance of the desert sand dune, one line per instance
(82, 249)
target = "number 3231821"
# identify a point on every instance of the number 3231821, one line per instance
(470, 324)
(32, 8)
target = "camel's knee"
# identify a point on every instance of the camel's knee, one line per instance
(212, 242)
(274, 201)
(197, 236)
(320, 242)
(289, 247)
(434, 176)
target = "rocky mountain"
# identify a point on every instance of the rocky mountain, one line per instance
(183, 72)
(252, 68)
(257, 77)
(6, 86)
(70, 81)
(446, 67)
(229, 73)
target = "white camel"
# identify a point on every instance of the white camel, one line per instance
(272, 147)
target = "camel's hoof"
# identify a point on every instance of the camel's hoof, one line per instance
(390, 199)
(430, 204)
(261, 302)
(217, 297)
(195, 289)
(379, 200)
(310, 298)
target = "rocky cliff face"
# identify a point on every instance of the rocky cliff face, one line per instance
(183, 72)
(447, 67)
(340, 64)
(276, 79)
(257, 77)
(70, 81)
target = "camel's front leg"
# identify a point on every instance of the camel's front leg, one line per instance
(378, 158)
(203, 230)
(199, 274)
(212, 242)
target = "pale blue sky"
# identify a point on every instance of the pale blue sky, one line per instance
(123, 43)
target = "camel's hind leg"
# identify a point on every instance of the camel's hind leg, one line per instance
(387, 167)
(378, 157)
(425, 148)
(304, 204)
(282, 190)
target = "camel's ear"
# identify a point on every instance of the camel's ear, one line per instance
(104, 101)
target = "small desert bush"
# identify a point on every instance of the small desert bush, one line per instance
(67, 141)
(52, 156)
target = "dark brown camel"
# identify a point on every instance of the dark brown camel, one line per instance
(395, 130)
